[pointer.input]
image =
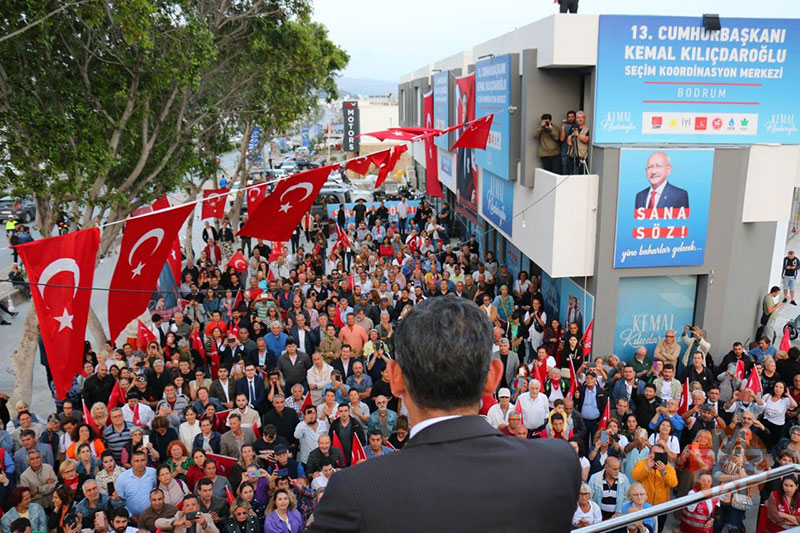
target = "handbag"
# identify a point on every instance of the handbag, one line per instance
(741, 501)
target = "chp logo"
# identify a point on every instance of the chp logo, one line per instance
(656, 122)
(717, 123)
(700, 123)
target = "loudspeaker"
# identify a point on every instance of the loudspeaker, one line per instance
(711, 22)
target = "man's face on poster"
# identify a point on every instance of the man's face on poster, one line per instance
(464, 107)
(658, 169)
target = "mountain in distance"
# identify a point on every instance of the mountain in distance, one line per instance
(365, 87)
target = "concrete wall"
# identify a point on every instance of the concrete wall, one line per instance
(737, 261)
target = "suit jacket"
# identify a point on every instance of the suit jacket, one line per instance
(311, 340)
(337, 365)
(671, 196)
(228, 442)
(214, 442)
(601, 398)
(260, 401)
(216, 390)
(512, 362)
(457, 459)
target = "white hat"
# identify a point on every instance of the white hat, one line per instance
(504, 393)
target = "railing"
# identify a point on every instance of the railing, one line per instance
(689, 499)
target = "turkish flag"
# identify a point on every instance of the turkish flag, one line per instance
(197, 344)
(754, 382)
(739, 372)
(357, 454)
(587, 338)
(306, 402)
(277, 249)
(143, 335)
(174, 260)
(224, 463)
(518, 409)
(432, 185)
(573, 380)
(88, 418)
(342, 239)
(146, 244)
(276, 217)
(396, 134)
(685, 398)
(359, 165)
(238, 262)
(475, 134)
(391, 161)
(222, 417)
(161, 203)
(213, 203)
(786, 343)
(255, 194)
(606, 416)
(67, 263)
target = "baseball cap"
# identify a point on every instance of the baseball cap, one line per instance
(141, 379)
(504, 393)
(281, 448)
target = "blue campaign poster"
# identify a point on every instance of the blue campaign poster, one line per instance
(662, 207)
(497, 202)
(575, 304)
(391, 205)
(441, 107)
(648, 307)
(493, 96)
(668, 80)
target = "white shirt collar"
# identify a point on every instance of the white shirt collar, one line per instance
(660, 189)
(419, 426)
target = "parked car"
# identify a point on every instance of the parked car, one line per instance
(22, 210)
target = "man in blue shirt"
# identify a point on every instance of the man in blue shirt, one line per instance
(276, 340)
(376, 447)
(763, 349)
(134, 485)
(670, 412)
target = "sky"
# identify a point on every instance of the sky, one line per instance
(386, 39)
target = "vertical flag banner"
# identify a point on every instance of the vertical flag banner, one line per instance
(432, 186)
(466, 168)
(662, 207)
(497, 201)
(352, 127)
(669, 80)
(146, 246)
(494, 78)
(442, 85)
(62, 265)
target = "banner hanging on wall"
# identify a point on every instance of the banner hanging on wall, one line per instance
(466, 168)
(662, 207)
(497, 201)
(648, 307)
(441, 107)
(668, 80)
(493, 80)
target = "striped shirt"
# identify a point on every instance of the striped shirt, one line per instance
(116, 440)
(608, 503)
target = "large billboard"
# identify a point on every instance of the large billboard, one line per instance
(662, 207)
(497, 201)
(493, 92)
(668, 80)
(352, 127)
(447, 171)
(567, 301)
(442, 82)
(466, 167)
(648, 307)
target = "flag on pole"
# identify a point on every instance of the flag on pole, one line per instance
(587, 339)
(475, 134)
(786, 342)
(685, 398)
(88, 418)
(306, 402)
(143, 335)
(754, 382)
(606, 416)
(739, 372)
(573, 380)
(224, 463)
(358, 454)
(229, 495)
(238, 262)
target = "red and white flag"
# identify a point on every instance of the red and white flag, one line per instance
(342, 240)
(573, 380)
(143, 334)
(518, 409)
(432, 185)
(174, 260)
(277, 250)
(391, 161)
(587, 339)
(754, 382)
(63, 265)
(161, 203)
(238, 261)
(686, 398)
(475, 134)
(224, 464)
(213, 203)
(197, 344)
(739, 372)
(146, 245)
(357, 454)
(606, 416)
(255, 194)
(786, 342)
(394, 134)
(276, 217)
(359, 165)
(88, 418)
(306, 402)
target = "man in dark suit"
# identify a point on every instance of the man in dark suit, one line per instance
(660, 193)
(307, 341)
(344, 364)
(451, 452)
(252, 385)
(223, 388)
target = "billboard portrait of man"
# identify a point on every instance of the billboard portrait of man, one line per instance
(466, 172)
(660, 193)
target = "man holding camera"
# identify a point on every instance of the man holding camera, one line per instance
(549, 145)
(578, 146)
(189, 518)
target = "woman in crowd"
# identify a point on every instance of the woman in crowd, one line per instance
(190, 428)
(20, 506)
(239, 473)
(399, 438)
(178, 460)
(99, 413)
(69, 477)
(580, 451)
(733, 506)
(769, 374)
(174, 489)
(783, 507)
(587, 512)
(699, 517)
(247, 493)
(87, 463)
(109, 473)
(63, 505)
(136, 443)
(637, 500)
(162, 435)
(696, 460)
(776, 405)
(282, 514)
(241, 520)
(665, 436)
(195, 472)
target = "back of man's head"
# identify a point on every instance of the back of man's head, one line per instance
(444, 347)
(21, 525)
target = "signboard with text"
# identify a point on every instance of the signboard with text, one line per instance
(669, 80)
(648, 307)
(352, 127)
(442, 82)
(494, 77)
(662, 207)
(497, 202)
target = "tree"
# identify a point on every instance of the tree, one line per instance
(106, 105)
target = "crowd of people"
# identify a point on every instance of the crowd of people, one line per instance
(264, 382)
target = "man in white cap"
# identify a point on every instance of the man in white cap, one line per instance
(497, 415)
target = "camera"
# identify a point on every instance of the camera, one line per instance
(191, 516)
(71, 520)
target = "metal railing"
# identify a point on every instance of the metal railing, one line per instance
(689, 499)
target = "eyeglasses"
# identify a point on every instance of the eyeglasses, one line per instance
(669, 336)
(584, 493)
